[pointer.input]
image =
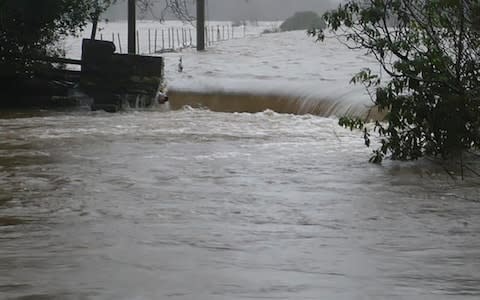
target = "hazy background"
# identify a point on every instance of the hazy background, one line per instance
(236, 10)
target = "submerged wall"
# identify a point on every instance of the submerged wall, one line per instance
(252, 103)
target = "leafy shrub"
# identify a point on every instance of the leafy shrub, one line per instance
(303, 21)
(432, 91)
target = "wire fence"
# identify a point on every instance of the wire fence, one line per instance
(170, 39)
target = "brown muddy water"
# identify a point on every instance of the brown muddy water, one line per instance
(194, 204)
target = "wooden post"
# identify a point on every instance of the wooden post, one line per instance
(132, 18)
(119, 42)
(206, 35)
(163, 39)
(178, 40)
(113, 39)
(183, 37)
(200, 25)
(223, 32)
(155, 44)
(169, 39)
(149, 42)
(138, 43)
(96, 15)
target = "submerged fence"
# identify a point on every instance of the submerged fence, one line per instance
(169, 39)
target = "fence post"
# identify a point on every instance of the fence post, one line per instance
(149, 42)
(169, 41)
(190, 31)
(156, 34)
(163, 39)
(138, 43)
(119, 42)
(178, 40)
(184, 37)
(183, 40)
(207, 36)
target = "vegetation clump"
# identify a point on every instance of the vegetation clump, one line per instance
(303, 21)
(29, 32)
(429, 51)
(30, 29)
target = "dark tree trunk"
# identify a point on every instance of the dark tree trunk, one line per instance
(131, 26)
(94, 27)
(200, 25)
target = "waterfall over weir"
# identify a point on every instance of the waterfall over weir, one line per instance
(224, 101)
(287, 72)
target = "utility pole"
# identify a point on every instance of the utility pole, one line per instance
(200, 25)
(132, 20)
(95, 17)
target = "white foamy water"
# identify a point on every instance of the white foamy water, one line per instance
(194, 204)
(197, 204)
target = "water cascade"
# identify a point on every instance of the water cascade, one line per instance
(333, 105)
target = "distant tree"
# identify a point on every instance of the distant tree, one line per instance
(431, 56)
(303, 21)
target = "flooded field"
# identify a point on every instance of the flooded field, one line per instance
(194, 204)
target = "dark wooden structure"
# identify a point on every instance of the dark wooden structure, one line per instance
(113, 80)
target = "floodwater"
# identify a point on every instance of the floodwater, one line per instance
(194, 204)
